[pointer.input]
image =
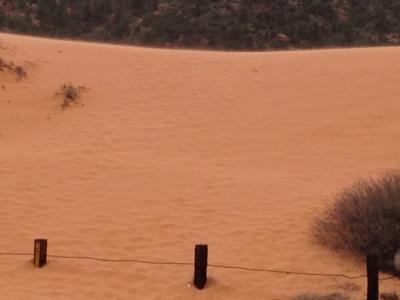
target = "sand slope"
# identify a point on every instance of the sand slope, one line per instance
(174, 148)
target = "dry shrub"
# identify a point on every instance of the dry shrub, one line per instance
(19, 71)
(70, 94)
(364, 219)
(334, 296)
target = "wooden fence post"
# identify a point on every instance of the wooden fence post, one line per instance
(200, 266)
(373, 277)
(40, 253)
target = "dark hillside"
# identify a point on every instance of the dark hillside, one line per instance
(229, 24)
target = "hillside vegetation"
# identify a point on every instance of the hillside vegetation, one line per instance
(228, 24)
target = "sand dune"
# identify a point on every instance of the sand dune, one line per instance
(177, 147)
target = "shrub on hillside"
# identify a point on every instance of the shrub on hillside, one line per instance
(365, 218)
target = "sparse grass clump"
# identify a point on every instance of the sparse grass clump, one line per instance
(70, 94)
(364, 219)
(19, 71)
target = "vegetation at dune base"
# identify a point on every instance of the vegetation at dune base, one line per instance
(364, 219)
(223, 24)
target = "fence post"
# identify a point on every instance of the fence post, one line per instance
(200, 265)
(40, 252)
(373, 277)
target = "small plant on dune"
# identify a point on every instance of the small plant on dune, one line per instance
(364, 219)
(70, 94)
(19, 71)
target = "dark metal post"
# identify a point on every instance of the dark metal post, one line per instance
(40, 253)
(200, 265)
(373, 277)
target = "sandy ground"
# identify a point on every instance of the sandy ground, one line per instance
(173, 148)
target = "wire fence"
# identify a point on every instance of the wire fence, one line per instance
(219, 266)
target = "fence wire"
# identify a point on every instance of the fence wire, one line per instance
(218, 266)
